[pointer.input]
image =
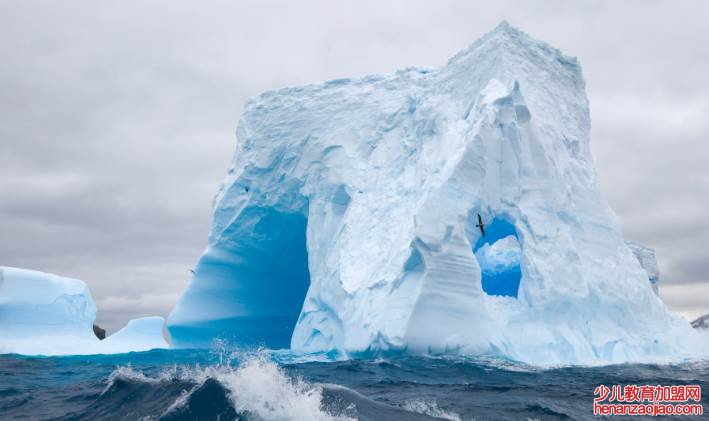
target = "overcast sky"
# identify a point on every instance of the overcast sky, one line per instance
(117, 120)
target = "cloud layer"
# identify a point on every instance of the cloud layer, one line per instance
(117, 120)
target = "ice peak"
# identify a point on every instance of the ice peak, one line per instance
(511, 44)
(505, 28)
(503, 35)
(505, 32)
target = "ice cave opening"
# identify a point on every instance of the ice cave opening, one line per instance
(273, 278)
(253, 285)
(499, 253)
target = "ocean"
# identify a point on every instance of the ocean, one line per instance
(263, 385)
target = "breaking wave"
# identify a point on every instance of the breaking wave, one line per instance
(255, 389)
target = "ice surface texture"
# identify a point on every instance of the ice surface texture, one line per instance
(646, 257)
(347, 220)
(46, 314)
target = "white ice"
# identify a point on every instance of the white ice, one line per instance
(500, 255)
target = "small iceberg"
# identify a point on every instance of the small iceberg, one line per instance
(45, 314)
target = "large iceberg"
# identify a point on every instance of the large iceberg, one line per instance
(347, 222)
(46, 314)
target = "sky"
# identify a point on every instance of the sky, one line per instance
(117, 120)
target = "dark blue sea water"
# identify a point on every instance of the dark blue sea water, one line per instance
(205, 385)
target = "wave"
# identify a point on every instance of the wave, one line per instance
(189, 385)
(262, 390)
(255, 389)
(362, 408)
(208, 400)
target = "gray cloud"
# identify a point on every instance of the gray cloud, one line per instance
(117, 120)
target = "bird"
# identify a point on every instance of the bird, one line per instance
(481, 225)
(192, 270)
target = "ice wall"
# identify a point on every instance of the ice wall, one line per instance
(350, 209)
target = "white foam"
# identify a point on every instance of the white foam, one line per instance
(261, 388)
(256, 386)
(430, 408)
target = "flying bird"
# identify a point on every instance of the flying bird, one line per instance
(481, 225)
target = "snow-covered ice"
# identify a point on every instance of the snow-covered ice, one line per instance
(46, 314)
(346, 222)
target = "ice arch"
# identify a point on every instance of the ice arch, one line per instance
(499, 253)
(386, 168)
(251, 286)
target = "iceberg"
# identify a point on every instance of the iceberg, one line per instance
(41, 313)
(142, 334)
(46, 314)
(347, 221)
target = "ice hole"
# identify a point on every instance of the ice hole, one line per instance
(499, 253)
